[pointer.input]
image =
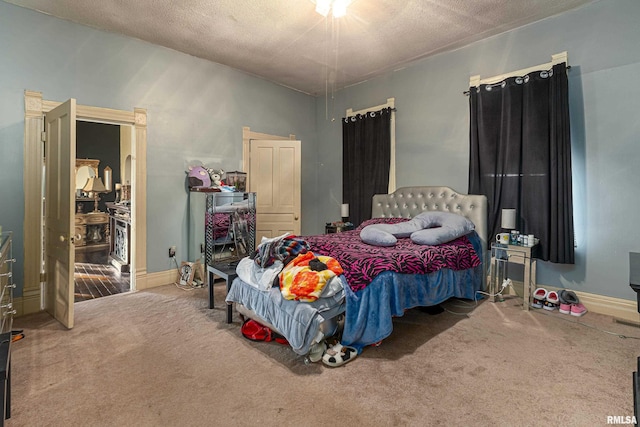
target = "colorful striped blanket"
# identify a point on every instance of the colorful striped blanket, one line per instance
(279, 248)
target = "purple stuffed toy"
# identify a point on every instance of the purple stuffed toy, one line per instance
(198, 177)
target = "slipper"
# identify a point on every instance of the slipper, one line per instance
(317, 351)
(540, 293)
(338, 355)
(552, 297)
(551, 302)
(539, 296)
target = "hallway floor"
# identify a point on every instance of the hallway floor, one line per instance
(96, 280)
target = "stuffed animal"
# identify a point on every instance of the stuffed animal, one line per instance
(216, 177)
(198, 176)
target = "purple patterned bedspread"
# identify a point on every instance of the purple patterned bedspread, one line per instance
(363, 262)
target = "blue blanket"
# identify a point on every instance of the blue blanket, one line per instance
(370, 311)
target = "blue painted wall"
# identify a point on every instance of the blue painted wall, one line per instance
(196, 110)
(433, 129)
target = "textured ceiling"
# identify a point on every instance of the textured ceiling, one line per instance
(287, 42)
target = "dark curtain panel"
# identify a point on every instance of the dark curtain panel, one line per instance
(366, 155)
(520, 157)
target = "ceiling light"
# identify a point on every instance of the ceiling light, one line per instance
(339, 7)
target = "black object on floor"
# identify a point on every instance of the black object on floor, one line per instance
(432, 310)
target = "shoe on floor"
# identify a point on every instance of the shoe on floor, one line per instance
(537, 303)
(565, 308)
(578, 309)
(551, 302)
(338, 355)
(539, 295)
(568, 297)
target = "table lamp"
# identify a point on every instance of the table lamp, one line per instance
(95, 186)
(508, 219)
(344, 212)
(509, 223)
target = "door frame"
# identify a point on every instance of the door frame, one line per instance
(35, 109)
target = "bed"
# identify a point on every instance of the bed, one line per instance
(366, 306)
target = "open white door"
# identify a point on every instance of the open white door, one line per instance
(275, 177)
(60, 154)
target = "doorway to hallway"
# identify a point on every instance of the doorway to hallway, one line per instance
(102, 220)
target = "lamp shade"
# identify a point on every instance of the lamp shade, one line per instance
(509, 219)
(344, 210)
(94, 185)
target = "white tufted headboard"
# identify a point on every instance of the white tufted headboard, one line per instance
(407, 202)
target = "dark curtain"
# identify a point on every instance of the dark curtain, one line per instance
(366, 156)
(520, 157)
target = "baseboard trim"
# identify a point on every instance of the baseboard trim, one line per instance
(153, 280)
(618, 308)
(27, 304)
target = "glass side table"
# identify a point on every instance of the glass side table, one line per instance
(503, 254)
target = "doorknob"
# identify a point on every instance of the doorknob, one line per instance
(72, 239)
(295, 217)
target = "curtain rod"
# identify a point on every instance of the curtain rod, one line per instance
(466, 92)
(394, 109)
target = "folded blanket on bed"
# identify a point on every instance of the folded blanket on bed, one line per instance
(304, 278)
(260, 277)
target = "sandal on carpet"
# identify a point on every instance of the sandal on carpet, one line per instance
(338, 355)
(316, 351)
